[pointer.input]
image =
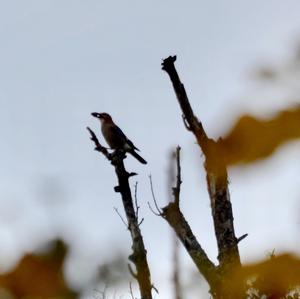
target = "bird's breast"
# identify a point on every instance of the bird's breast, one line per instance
(111, 137)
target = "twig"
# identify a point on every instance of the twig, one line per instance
(155, 289)
(122, 219)
(136, 205)
(135, 201)
(142, 220)
(98, 146)
(241, 238)
(102, 293)
(152, 210)
(131, 292)
(176, 269)
(154, 199)
(176, 189)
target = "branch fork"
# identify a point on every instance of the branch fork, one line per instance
(139, 253)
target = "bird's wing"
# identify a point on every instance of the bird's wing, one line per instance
(132, 145)
(116, 130)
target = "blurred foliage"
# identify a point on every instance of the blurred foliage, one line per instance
(38, 276)
(278, 277)
(114, 272)
(252, 138)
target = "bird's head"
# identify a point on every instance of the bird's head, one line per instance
(104, 117)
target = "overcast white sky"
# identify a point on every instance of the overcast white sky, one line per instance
(61, 60)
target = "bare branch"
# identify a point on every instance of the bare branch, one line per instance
(153, 197)
(139, 253)
(155, 289)
(142, 220)
(98, 146)
(241, 238)
(135, 201)
(122, 219)
(132, 174)
(176, 269)
(175, 218)
(216, 171)
(172, 214)
(131, 292)
(176, 189)
(101, 293)
(152, 210)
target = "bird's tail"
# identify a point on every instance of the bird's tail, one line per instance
(137, 156)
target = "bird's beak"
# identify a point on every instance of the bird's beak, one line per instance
(96, 114)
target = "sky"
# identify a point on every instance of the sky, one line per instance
(62, 60)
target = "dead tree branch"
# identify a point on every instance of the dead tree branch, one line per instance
(139, 253)
(176, 273)
(173, 215)
(216, 177)
(176, 269)
(176, 189)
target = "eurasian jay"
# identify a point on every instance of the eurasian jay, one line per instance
(114, 136)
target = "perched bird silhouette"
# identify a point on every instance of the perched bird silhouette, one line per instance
(114, 136)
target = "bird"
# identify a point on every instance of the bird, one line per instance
(115, 137)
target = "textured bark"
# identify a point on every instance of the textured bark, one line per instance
(172, 214)
(176, 220)
(216, 176)
(176, 277)
(139, 253)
